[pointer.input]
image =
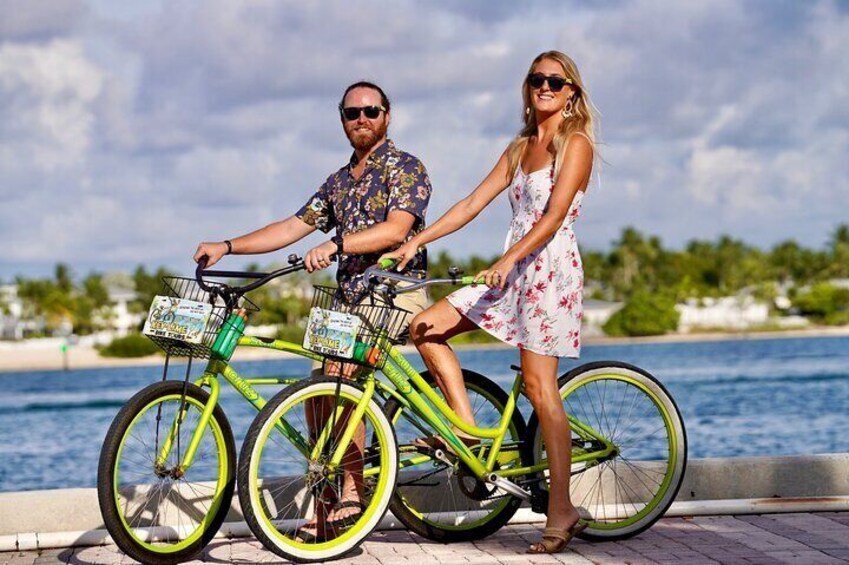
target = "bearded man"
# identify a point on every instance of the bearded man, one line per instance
(374, 203)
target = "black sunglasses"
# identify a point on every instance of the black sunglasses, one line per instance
(352, 113)
(555, 83)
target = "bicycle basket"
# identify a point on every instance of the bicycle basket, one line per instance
(189, 289)
(376, 320)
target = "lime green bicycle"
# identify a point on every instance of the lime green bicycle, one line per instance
(167, 468)
(321, 440)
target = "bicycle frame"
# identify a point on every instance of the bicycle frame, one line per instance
(245, 387)
(410, 389)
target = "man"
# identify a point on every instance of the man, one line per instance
(374, 204)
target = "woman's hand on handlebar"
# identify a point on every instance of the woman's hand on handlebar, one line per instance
(212, 250)
(402, 255)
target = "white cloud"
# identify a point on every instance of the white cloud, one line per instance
(134, 133)
(47, 96)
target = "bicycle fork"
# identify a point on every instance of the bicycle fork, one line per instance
(188, 456)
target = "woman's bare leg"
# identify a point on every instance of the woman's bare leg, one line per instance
(540, 377)
(430, 331)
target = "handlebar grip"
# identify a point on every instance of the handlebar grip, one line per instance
(386, 263)
(199, 272)
(469, 279)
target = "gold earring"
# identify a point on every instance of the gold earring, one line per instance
(566, 112)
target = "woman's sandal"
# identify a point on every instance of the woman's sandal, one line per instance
(554, 540)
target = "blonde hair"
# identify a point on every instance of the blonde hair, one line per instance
(583, 120)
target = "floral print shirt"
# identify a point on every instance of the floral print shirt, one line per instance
(392, 180)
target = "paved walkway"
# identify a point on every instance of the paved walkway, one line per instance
(775, 538)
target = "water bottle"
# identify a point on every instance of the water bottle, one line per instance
(227, 339)
(365, 353)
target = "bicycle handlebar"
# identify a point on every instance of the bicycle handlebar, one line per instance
(295, 264)
(374, 274)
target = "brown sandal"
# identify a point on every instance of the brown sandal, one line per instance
(554, 540)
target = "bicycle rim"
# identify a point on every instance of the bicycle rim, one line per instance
(624, 493)
(445, 502)
(285, 484)
(164, 514)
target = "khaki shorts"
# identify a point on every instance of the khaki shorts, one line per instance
(413, 302)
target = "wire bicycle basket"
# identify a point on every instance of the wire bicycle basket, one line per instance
(188, 289)
(353, 332)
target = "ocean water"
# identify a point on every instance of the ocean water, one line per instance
(738, 398)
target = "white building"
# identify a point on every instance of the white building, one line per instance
(117, 315)
(10, 312)
(12, 324)
(731, 312)
(596, 314)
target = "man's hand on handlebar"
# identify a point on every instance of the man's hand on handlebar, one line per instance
(320, 257)
(212, 250)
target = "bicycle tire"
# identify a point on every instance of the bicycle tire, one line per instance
(276, 480)
(154, 517)
(646, 472)
(434, 522)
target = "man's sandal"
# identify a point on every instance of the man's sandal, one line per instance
(554, 540)
(305, 536)
(349, 520)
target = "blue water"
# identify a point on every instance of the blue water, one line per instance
(738, 398)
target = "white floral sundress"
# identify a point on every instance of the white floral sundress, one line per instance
(540, 308)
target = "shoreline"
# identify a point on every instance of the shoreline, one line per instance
(27, 359)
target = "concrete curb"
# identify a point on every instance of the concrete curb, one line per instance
(754, 485)
(231, 530)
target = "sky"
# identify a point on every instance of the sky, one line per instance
(132, 130)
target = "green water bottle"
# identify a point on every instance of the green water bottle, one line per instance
(227, 339)
(365, 353)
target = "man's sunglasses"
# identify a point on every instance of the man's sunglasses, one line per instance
(555, 83)
(352, 113)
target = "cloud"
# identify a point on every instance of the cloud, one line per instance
(134, 132)
(47, 94)
(39, 19)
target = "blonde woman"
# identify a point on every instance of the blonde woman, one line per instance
(532, 295)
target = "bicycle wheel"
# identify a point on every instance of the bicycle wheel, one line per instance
(443, 502)
(157, 513)
(629, 490)
(283, 487)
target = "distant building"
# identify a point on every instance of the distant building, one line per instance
(12, 324)
(596, 314)
(727, 312)
(117, 315)
(10, 313)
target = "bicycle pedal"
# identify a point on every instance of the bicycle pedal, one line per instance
(539, 501)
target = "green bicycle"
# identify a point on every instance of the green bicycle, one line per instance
(167, 468)
(629, 449)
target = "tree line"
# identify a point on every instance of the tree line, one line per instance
(637, 268)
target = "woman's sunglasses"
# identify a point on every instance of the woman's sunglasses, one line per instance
(555, 83)
(352, 113)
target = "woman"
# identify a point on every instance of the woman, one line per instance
(532, 295)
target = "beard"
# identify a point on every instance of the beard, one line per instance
(365, 139)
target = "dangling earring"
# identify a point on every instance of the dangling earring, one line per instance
(527, 111)
(566, 112)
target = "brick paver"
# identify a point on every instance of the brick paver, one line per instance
(817, 537)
